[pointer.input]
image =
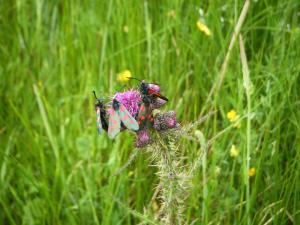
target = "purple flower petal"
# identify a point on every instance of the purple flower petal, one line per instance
(131, 100)
(143, 138)
(164, 121)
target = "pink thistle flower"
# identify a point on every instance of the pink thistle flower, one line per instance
(130, 99)
(143, 138)
(165, 121)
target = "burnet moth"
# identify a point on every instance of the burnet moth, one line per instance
(149, 91)
(119, 114)
(100, 114)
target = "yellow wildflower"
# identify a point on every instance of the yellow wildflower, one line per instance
(124, 76)
(252, 171)
(202, 27)
(232, 115)
(233, 151)
(126, 29)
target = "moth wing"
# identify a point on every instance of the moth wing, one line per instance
(145, 117)
(114, 124)
(160, 96)
(142, 112)
(99, 124)
(127, 119)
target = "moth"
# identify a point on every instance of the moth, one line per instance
(145, 117)
(118, 116)
(151, 99)
(150, 92)
(101, 116)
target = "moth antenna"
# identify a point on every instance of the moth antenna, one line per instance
(95, 95)
(133, 78)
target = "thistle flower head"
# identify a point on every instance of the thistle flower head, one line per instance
(143, 138)
(164, 121)
(130, 99)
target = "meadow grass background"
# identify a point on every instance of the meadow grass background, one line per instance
(55, 169)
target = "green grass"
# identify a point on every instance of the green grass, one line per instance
(55, 169)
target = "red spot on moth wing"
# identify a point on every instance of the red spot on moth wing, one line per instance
(125, 117)
(114, 122)
(142, 117)
(109, 129)
(151, 91)
(131, 121)
(142, 108)
(122, 108)
(111, 111)
(139, 122)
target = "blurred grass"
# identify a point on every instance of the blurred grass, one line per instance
(55, 169)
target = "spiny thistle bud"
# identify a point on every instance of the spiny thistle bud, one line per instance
(164, 121)
(143, 138)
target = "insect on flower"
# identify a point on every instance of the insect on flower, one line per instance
(100, 114)
(119, 114)
(133, 110)
(150, 91)
(151, 99)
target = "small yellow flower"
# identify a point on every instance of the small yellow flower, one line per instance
(124, 76)
(233, 151)
(126, 29)
(202, 27)
(252, 171)
(232, 116)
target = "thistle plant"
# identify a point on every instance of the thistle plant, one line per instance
(172, 177)
(160, 135)
(173, 172)
(161, 139)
